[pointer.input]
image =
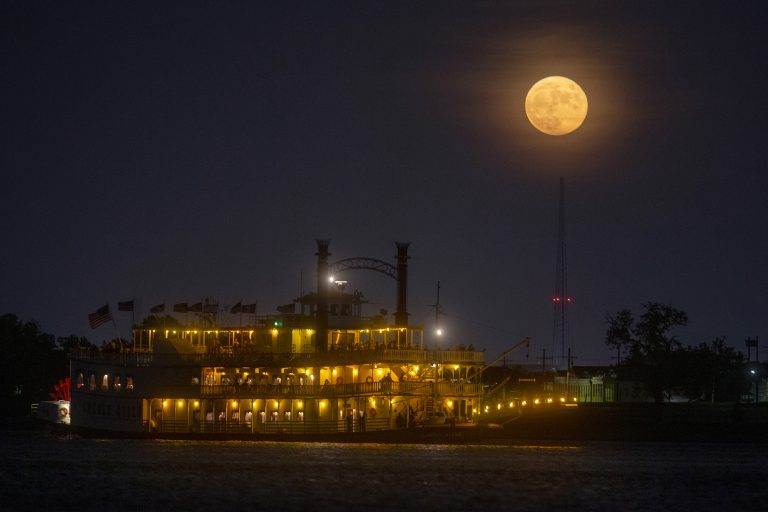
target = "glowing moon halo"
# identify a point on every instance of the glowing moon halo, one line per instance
(556, 105)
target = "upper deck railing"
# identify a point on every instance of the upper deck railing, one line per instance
(257, 359)
(406, 388)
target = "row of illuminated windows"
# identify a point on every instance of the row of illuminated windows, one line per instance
(121, 411)
(93, 382)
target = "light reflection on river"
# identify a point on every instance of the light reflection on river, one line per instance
(38, 470)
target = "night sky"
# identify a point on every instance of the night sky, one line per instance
(175, 152)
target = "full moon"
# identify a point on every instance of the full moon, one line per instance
(556, 105)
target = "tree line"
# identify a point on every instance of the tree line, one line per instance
(32, 363)
(650, 354)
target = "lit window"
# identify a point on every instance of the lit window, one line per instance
(117, 384)
(92, 382)
(129, 383)
(80, 379)
(105, 382)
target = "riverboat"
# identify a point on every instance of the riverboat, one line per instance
(318, 366)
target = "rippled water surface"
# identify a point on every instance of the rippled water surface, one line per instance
(41, 471)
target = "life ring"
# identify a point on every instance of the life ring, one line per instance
(372, 412)
(63, 412)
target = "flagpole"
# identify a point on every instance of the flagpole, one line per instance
(114, 324)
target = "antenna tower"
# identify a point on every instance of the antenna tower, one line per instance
(561, 299)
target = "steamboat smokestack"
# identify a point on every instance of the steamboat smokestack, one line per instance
(322, 254)
(401, 315)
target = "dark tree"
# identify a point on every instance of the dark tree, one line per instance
(650, 346)
(712, 371)
(30, 364)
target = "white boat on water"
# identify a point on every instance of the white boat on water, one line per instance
(319, 366)
(53, 411)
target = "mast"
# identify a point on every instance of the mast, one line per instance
(561, 298)
(438, 330)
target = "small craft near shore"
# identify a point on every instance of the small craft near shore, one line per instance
(52, 411)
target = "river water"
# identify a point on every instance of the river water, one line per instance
(44, 472)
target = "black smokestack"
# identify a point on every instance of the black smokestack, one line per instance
(401, 315)
(322, 295)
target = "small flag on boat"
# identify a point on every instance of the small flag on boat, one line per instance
(100, 316)
(125, 306)
(180, 308)
(248, 308)
(237, 308)
(160, 308)
(196, 308)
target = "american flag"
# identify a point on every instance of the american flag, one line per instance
(100, 316)
(237, 308)
(180, 308)
(196, 308)
(125, 306)
(160, 308)
(248, 308)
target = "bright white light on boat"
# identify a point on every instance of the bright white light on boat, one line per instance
(439, 332)
(498, 406)
(511, 405)
(300, 404)
(234, 403)
(180, 403)
(524, 403)
(277, 404)
(549, 400)
(197, 404)
(165, 403)
(562, 399)
(537, 401)
(331, 279)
